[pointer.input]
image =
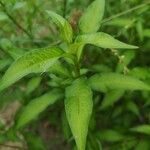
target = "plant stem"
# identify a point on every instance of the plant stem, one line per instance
(125, 12)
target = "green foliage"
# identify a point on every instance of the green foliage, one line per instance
(33, 62)
(78, 106)
(110, 136)
(145, 129)
(40, 104)
(110, 81)
(111, 97)
(65, 27)
(33, 84)
(111, 117)
(89, 23)
(103, 40)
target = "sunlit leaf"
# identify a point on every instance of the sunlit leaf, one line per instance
(64, 26)
(78, 106)
(108, 81)
(35, 61)
(103, 40)
(89, 23)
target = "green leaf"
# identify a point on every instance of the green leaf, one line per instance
(111, 97)
(110, 81)
(103, 40)
(78, 106)
(35, 61)
(36, 106)
(145, 129)
(89, 23)
(33, 84)
(110, 136)
(64, 26)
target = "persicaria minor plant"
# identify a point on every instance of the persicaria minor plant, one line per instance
(76, 87)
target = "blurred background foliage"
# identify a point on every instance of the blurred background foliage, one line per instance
(24, 25)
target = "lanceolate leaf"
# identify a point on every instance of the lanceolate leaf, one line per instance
(36, 106)
(64, 26)
(35, 61)
(78, 106)
(142, 129)
(103, 40)
(90, 21)
(109, 81)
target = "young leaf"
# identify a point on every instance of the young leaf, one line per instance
(32, 62)
(103, 40)
(36, 106)
(142, 129)
(65, 27)
(111, 97)
(78, 106)
(110, 81)
(90, 21)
